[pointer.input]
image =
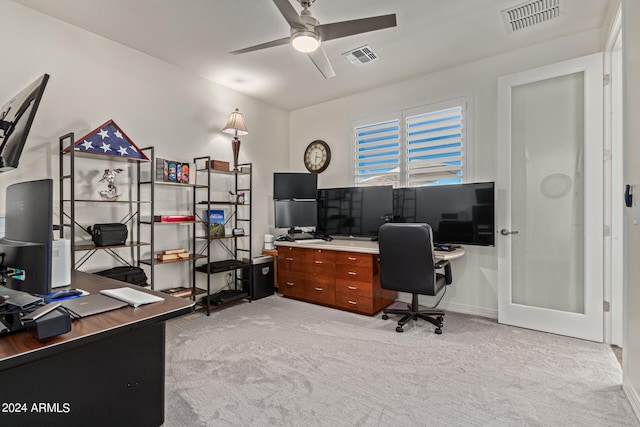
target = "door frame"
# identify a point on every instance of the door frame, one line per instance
(589, 325)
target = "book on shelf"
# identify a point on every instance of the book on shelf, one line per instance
(173, 256)
(180, 291)
(215, 219)
(173, 218)
(173, 251)
(172, 171)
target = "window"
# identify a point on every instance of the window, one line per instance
(421, 146)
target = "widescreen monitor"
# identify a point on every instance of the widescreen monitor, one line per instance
(295, 213)
(354, 211)
(16, 117)
(27, 245)
(291, 185)
(459, 213)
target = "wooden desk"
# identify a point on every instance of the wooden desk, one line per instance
(340, 273)
(109, 370)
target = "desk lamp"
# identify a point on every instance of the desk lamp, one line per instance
(235, 126)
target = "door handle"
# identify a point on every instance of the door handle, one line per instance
(506, 232)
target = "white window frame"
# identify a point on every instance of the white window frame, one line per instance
(465, 101)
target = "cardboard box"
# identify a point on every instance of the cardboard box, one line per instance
(219, 165)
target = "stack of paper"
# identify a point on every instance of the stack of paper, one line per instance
(131, 296)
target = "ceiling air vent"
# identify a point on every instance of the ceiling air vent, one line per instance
(531, 13)
(361, 55)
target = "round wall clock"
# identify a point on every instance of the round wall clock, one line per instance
(317, 156)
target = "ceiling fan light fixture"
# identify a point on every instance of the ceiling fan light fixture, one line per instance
(305, 41)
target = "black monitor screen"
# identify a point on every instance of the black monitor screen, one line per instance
(28, 236)
(460, 213)
(295, 213)
(289, 185)
(16, 117)
(354, 211)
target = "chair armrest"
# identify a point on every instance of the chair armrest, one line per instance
(448, 275)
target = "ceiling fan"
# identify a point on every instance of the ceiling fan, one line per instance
(307, 33)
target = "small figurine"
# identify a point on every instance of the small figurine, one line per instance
(111, 193)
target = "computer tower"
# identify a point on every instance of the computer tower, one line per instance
(258, 281)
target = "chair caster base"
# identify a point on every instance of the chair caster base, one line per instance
(399, 329)
(438, 331)
(385, 317)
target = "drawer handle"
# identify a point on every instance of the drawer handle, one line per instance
(290, 284)
(319, 289)
(352, 302)
(289, 259)
(318, 262)
(352, 273)
(352, 258)
(353, 288)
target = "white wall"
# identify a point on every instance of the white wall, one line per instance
(631, 91)
(475, 275)
(94, 80)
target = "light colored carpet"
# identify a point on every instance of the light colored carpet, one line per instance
(280, 362)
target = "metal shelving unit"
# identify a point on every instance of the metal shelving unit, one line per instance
(68, 207)
(237, 247)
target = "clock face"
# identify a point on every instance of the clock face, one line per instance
(317, 156)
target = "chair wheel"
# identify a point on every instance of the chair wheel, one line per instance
(385, 317)
(399, 329)
(438, 331)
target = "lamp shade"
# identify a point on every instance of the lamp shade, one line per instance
(236, 125)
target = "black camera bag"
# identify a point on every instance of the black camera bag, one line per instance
(133, 275)
(112, 234)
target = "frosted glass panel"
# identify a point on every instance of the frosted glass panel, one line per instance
(547, 206)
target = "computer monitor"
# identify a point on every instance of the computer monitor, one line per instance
(27, 244)
(354, 211)
(295, 213)
(457, 213)
(16, 117)
(291, 185)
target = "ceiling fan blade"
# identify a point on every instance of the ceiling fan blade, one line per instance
(279, 42)
(336, 30)
(319, 58)
(289, 13)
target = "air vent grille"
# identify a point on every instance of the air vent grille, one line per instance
(361, 55)
(531, 13)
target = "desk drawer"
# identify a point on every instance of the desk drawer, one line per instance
(354, 288)
(320, 278)
(353, 273)
(355, 303)
(291, 259)
(291, 283)
(355, 259)
(319, 257)
(320, 293)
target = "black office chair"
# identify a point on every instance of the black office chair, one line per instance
(407, 264)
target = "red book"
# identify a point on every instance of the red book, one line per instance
(173, 218)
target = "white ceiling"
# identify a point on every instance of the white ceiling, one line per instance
(198, 34)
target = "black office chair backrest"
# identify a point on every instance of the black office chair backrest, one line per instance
(407, 258)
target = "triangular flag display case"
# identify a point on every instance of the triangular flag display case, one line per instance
(108, 140)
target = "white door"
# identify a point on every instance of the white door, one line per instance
(550, 199)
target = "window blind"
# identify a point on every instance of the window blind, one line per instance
(434, 147)
(378, 153)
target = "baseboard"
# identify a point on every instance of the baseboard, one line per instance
(632, 395)
(455, 307)
(469, 309)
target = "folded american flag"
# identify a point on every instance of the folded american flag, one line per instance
(109, 140)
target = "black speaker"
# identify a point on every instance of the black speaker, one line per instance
(56, 322)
